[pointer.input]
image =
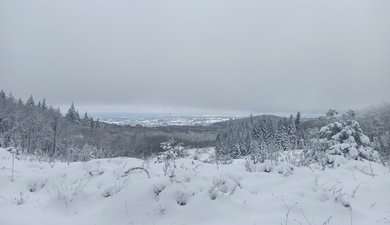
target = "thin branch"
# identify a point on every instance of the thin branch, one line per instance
(126, 173)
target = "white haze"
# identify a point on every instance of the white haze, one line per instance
(219, 55)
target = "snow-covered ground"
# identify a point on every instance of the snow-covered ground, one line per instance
(101, 192)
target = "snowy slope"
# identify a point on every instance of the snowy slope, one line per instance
(99, 192)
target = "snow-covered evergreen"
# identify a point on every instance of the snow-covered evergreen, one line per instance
(30, 101)
(72, 115)
(257, 136)
(345, 138)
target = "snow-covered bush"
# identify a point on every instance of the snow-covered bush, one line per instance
(294, 157)
(315, 152)
(86, 153)
(223, 159)
(342, 139)
(223, 186)
(172, 150)
(206, 155)
(77, 154)
(269, 166)
(261, 154)
(347, 139)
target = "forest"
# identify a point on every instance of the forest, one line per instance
(42, 130)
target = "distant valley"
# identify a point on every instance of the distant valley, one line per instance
(160, 119)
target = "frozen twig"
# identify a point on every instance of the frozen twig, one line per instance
(350, 215)
(372, 172)
(304, 216)
(355, 190)
(126, 173)
(234, 189)
(288, 210)
(327, 221)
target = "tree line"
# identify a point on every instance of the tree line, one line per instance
(42, 130)
(353, 135)
(246, 136)
(37, 128)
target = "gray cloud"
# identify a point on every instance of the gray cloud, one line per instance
(259, 56)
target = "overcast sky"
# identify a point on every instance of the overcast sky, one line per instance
(231, 55)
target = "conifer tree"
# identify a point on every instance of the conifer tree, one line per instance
(72, 115)
(97, 123)
(30, 101)
(292, 130)
(85, 120)
(91, 122)
(11, 98)
(78, 116)
(298, 121)
(2, 94)
(44, 106)
(292, 133)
